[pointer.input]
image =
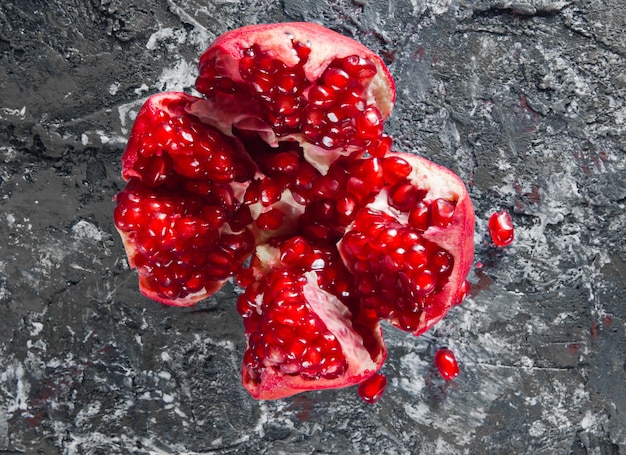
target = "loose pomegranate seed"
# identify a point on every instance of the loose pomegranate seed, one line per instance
(372, 389)
(501, 228)
(446, 364)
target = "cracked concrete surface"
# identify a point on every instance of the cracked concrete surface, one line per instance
(525, 100)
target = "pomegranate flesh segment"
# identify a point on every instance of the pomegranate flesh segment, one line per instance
(299, 82)
(501, 228)
(446, 364)
(301, 334)
(411, 247)
(177, 215)
(179, 243)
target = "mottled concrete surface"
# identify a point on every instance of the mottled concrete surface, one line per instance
(525, 100)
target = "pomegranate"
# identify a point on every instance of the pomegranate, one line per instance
(501, 228)
(446, 364)
(283, 161)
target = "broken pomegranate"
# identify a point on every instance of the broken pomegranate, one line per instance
(283, 162)
(446, 364)
(501, 228)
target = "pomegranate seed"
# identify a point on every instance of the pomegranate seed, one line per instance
(303, 50)
(403, 195)
(336, 78)
(288, 84)
(442, 212)
(269, 192)
(346, 208)
(370, 124)
(321, 96)
(366, 177)
(373, 388)
(155, 169)
(419, 216)
(395, 169)
(442, 262)
(424, 282)
(501, 228)
(283, 163)
(293, 250)
(382, 147)
(128, 218)
(359, 67)
(446, 364)
(270, 220)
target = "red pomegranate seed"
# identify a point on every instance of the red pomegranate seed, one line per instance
(336, 78)
(395, 169)
(446, 364)
(359, 67)
(370, 124)
(373, 388)
(322, 96)
(442, 262)
(501, 228)
(424, 282)
(270, 192)
(442, 212)
(419, 216)
(283, 163)
(155, 169)
(270, 220)
(294, 250)
(403, 196)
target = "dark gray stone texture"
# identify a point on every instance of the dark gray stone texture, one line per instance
(525, 100)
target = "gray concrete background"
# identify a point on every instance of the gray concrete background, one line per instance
(525, 100)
